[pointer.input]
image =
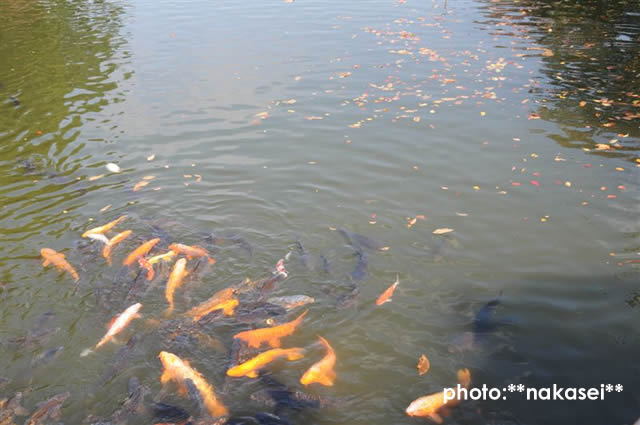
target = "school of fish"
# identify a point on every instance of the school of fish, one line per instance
(255, 351)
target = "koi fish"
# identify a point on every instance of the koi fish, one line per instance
(221, 300)
(435, 405)
(272, 336)
(176, 369)
(292, 301)
(322, 371)
(106, 251)
(385, 297)
(140, 251)
(99, 237)
(57, 259)
(104, 229)
(48, 409)
(191, 251)
(118, 324)
(251, 367)
(175, 281)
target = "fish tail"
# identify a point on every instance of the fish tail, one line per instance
(295, 354)
(86, 352)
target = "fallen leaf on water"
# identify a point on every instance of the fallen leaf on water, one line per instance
(583, 104)
(151, 157)
(198, 178)
(344, 74)
(106, 207)
(140, 185)
(442, 231)
(533, 117)
(99, 176)
(114, 168)
(459, 214)
(412, 221)
(262, 115)
(313, 117)
(423, 365)
(148, 177)
(289, 102)
(602, 147)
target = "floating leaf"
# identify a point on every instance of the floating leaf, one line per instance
(114, 168)
(442, 231)
(423, 365)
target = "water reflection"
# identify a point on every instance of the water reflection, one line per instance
(590, 56)
(61, 65)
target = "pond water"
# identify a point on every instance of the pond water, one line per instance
(490, 148)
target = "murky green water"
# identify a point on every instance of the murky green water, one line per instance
(514, 123)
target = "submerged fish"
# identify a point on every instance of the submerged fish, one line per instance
(167, 412)
(221, 300)
(305, 257)
(251, 367)
(176, 369)
(483, 324)
(258, 312)
(105, 228)
(359, 241)
(48, 409)
(175, 281)
(120, 360)
(385, 297)
(322, 371)
(57, 259)
(133, 405)
(46, 357)
(106, 251)
(361, 270)
(434, 406)
(292, 301)
(10, 407)
(272, 336)
(38, 334)
(140, 251)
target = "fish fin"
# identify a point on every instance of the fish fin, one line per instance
(182, 389)
(435, 417)
(115, 340)
(45, 263)
(326, 379)
(252, 374)
(275, 342)
(295, 354)
(86, 352)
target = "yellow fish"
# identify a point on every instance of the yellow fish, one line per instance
(251, 367)
(176, 369)
(105, 228)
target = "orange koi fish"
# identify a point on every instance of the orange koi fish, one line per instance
(435, 405)
(271, 335)
(321, 372)
(221, 300)
(106, 251)
(175, 281)
(191, 251)
(251, 367)
(57, 259)
(104, 229)
(140, 251)
(176, 369)
(385, 297)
